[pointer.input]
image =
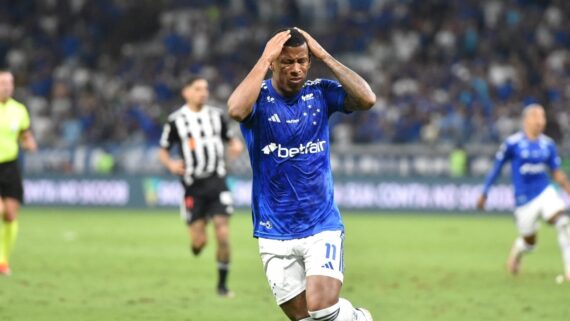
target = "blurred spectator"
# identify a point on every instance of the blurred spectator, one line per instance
(109, 71)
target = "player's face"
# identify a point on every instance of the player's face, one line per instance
(196, 94)
(290, 69)
(6, 85)
(535, 121)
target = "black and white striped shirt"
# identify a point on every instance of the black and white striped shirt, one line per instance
(199, 136)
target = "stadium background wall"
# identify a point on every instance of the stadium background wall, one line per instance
(367, 194)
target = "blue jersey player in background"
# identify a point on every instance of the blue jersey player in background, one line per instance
(284, 121)
(534, 160)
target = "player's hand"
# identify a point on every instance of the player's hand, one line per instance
(274, 46)
(235, 147)
(481, 202)
(314, 47)
(177, 167)
(28, 141)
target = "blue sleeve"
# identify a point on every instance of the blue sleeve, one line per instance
(334, 96)
(554, 160)
(502, 156)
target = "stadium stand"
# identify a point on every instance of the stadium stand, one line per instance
(107, 72)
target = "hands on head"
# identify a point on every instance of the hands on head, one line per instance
(314, 47)
(275, 45)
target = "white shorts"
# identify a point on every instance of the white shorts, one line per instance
(545, 205)
(287, 263)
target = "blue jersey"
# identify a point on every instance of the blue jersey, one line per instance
(288, 144)
(531, 163)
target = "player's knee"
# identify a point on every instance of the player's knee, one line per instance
(526, 244)
(197, 248)
(198, 244)
(558, 217)
(562, 221)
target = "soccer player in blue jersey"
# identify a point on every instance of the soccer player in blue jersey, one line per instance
(284, 121)
(534, 160)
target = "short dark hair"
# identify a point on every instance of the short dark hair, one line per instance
(191, 80)
(297, 39)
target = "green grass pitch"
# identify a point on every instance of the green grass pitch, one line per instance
(79, 265)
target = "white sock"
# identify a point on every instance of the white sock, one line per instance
(563, 228)
(307, 319)
(341, 311)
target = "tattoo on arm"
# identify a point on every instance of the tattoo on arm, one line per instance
(359, 94)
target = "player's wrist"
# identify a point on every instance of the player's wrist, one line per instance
(264, 62)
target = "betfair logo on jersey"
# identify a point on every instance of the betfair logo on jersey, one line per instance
(284, 152)
(532, 169)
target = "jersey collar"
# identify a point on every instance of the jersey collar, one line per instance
(287, 100)
(190, 111)
(5, 104)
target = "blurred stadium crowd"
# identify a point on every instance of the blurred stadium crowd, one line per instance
(108, 72)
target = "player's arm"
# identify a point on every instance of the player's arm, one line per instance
(235, 148)
(28, 141)
(501, 158)
(26, 137)
(174, 166)
(167, 139)
(241, 101)
(560, 177)
(359, 94)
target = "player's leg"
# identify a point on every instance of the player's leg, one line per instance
(219, 208)
(223, 254)
(562, 223)
(554, 212)
(527, 221)
(4, 268)
(285, 274)
(195, 213)
(9, 232)
(324, 260)
(198, 235)
(296, 308)
(12, 193)
(521, 246)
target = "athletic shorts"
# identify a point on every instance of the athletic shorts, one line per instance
(545, 206)
(287, 263)
(11, 181)
(205, 198)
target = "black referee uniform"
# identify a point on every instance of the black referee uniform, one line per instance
(200, 138)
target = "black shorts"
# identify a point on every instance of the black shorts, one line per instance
(207, 197)
(11, 181)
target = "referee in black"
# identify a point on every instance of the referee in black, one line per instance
(199, 131)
